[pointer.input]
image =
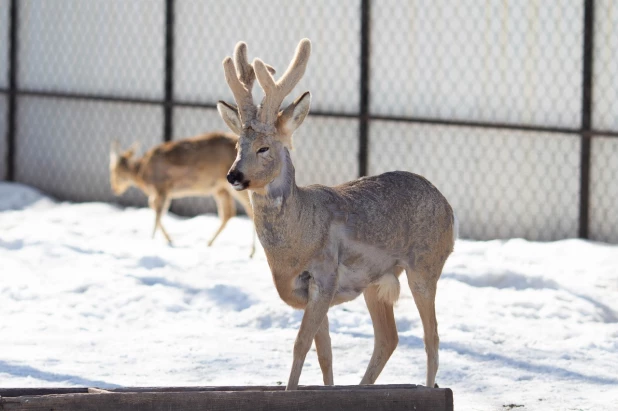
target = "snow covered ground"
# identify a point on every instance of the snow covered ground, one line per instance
(88, 299)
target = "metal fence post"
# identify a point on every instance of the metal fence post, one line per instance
(586, 121)
(11, 130)
(168, 110)
(363, 130)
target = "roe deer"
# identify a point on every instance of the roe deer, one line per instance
(327, 245)
(191, 167)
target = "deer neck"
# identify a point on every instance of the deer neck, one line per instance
(135, 169)
(277, 206)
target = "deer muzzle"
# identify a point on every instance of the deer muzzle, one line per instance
(237, 180)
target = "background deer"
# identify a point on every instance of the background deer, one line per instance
(327, 245)
(190, 167)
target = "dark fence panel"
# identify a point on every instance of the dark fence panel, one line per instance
(4, 43)
(605, 67)
(510, 108)
(603, 193)
(64, 144)
(502, 183)
(207, 31)
(603, 222)
(516, 62)
(93, 47)
(3, 142)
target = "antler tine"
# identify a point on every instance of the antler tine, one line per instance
(240, 77)
(244, 70)
(275, 92)
(238, 90)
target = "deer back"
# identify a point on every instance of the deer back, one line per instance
(193, 166)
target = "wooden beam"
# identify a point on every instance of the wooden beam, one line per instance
(92, 390)
(17, 392)
(376, 397)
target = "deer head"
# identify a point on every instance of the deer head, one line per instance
(265, 131)
(120, 176)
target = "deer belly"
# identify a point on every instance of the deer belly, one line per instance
(350, 285)
(181, 192)
(358, 269)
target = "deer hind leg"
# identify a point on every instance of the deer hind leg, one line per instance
(385, 333)
(243, 199)
(423, 285)
(325, 352)
(226, 210)
(160, 203)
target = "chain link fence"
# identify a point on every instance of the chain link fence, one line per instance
(509, 108)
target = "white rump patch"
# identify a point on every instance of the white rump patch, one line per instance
(388, 288)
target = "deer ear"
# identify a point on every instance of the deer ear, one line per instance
(294, 114)
(114, 150)
(115, 146)
(230, 115)
(113, 158)
(131, 150)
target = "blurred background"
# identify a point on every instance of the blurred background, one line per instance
(509, 107)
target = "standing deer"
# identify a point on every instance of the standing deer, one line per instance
(327, 245)
(191, 167)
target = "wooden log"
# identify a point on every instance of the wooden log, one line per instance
(16, 392)
(376, 397)
(92, 390)
(264, 388)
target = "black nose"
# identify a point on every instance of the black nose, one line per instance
(234, 177)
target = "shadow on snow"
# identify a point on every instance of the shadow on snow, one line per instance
(27, 371)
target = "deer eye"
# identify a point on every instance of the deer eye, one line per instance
(263, 150)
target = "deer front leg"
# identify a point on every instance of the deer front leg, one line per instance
(226, 210)
(160, 204)
(321, 290)
(252, 253)
(325, 352)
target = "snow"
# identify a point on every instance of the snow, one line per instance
(87, 298)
